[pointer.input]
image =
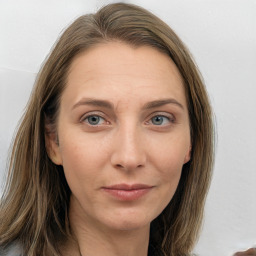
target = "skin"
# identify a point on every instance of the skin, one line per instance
(249, 252)
(129, 141)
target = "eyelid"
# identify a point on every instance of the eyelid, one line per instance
(164, 114)
(93, 113)
(169, 116)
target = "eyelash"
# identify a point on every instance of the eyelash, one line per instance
(170, 119)
(164, 118)
(84, 119)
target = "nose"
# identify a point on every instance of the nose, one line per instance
(129, 151)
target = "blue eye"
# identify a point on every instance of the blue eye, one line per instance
(94, 120)
(160, 120)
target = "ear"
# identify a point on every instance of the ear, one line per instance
(52, 145)
(188, 155)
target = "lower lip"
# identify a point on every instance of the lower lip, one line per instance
(127, 195)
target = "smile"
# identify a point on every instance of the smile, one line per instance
(125, 192)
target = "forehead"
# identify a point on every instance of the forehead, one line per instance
(115, 70)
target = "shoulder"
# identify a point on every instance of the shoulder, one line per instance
(11, 250)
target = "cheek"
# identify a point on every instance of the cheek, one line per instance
(80, 159)
(77, 149)
(169, 161)
(170, 173)
(169, 154)
(170, 176)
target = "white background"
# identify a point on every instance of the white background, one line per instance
(221, 35)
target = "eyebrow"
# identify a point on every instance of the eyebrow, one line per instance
(93, 102)
(107, 104)
(159, 103)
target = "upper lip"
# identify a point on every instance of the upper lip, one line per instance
(124, 186)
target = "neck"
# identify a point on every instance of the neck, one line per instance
(95, 239)
(117, 243)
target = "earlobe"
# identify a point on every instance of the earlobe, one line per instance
(188, 155)
(52, 148)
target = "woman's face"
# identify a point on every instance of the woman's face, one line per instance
(123, 132)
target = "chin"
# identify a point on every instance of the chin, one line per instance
(128, 221)
(127, 225)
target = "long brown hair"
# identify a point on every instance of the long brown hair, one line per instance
(34, 206)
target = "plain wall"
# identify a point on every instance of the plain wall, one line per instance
(221, 35)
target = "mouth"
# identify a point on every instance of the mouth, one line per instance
(126, 192)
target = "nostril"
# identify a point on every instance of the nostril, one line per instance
(120, 166)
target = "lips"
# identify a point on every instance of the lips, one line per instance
(127, 192)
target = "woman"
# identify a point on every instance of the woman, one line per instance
(115, 151)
